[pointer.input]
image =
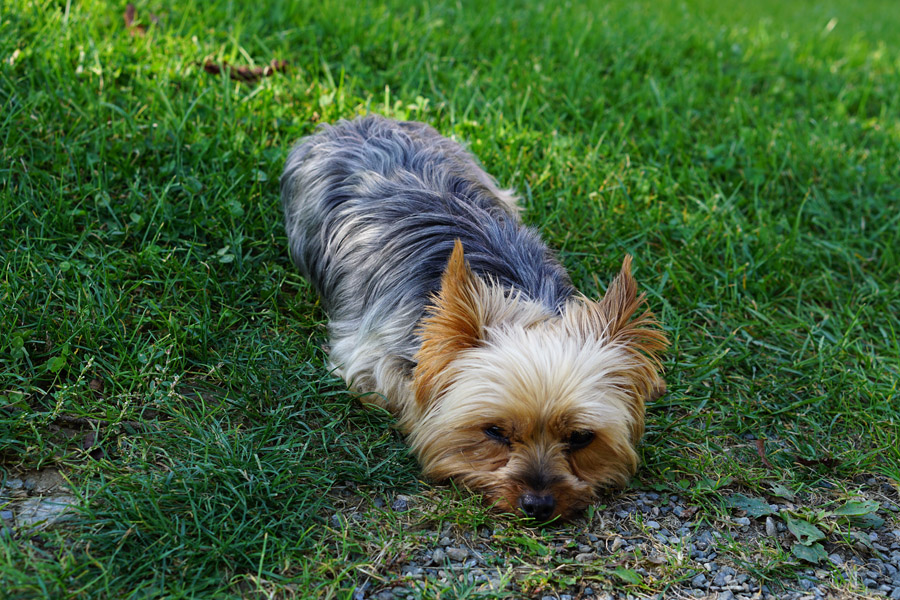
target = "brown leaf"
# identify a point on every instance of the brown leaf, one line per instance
(761, 450)
(138, 29)
(129, 22)
(245, 74)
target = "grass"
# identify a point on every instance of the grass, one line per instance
(157, 346)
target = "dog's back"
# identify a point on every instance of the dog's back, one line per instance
(372, 210)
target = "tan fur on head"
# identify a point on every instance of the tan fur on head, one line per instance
(492, 361)
(457, 318)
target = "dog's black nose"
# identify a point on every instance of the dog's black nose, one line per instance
(537, 506)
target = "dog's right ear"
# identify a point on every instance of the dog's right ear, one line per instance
(455, 322)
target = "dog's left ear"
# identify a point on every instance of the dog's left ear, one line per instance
(456, 322)
(611, 320)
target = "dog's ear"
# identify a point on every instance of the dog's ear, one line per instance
(612, 321)
(455, 322)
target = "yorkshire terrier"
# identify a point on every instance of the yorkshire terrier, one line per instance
(449, 312)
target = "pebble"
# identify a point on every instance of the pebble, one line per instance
(771, 531)
(616, 544)
(413, 571)
(653, 525)
(723, 577)
(699, 581)
(585, 557)
(47, 510)
(743, 521)
(445, 541)
(438, 557)
(457, 554)
(359, 592)
(836, 559)
(400, 504)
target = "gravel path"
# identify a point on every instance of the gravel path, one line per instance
(665, 543)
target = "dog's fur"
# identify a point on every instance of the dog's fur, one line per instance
(450, 313)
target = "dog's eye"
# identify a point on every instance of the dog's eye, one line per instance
(495, 433)
(580, 439)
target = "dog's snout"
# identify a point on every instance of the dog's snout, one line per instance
(538, 506)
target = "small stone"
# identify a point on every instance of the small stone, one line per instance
(726, 595)
(699, 581)
(457, 554)
(585, 557)
(743, 521)
(6, 515)
(438, 556)
(413, 571)
(588, 591)
(13, 484)
(836, 559)
(724, 576)
(547, 598)
(895, 595)
(652, 524)
(678, 511)
(384, 595)
(771, 531)
(378, 502)
(400, 504)
(359, 592)
(47, 510)
(616, 544)
(565, 597)
(445, 541)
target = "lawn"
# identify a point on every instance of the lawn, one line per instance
(160, 354)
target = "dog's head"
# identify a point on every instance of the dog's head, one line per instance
(533, 409)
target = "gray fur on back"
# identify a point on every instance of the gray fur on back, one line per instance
(372, 209)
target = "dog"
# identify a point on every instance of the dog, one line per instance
(449, 312)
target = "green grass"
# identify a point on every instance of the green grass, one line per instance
(747, 157)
